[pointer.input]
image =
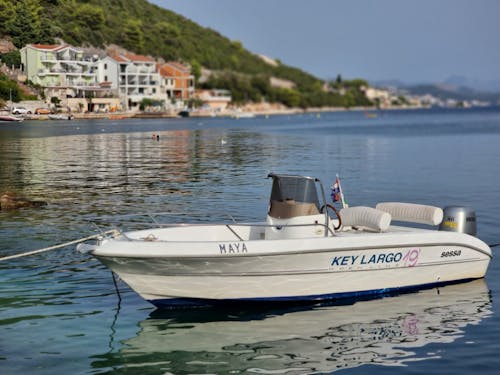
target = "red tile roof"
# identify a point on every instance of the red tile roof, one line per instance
(119, 58)
(139, 58)
(50, 47)
(131, 57)
(175, 69)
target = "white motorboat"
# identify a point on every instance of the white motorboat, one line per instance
(242, 114)
(10, 118)
(60, 116)
(299, 253)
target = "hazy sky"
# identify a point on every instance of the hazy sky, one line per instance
(414, 41)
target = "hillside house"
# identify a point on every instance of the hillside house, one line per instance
(66, 73)
(182, 79)
(134, 77)
(214, 100)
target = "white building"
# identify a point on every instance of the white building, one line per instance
(134, 77)
(373, 94)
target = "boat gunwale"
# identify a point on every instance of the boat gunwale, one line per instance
(308, 272)
(280, 253)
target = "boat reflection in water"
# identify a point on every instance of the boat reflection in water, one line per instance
(384, 331)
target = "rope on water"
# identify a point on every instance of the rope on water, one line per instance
(57, 246)
(494, 245)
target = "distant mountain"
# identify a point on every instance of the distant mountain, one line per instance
(449, 91)
(455, 87)
(456, 80)
(478, 85)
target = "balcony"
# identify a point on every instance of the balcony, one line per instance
(47, 72)
(147, 70)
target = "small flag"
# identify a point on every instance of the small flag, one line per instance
(335, 194)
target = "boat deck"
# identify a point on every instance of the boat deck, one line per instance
(247, 232)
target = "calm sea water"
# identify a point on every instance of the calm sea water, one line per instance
(60, 313)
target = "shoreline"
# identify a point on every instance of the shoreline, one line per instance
(208, 114)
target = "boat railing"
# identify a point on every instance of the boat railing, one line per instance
(104, 223)
(152, 218)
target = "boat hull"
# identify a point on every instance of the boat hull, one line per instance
(294, 270)
(8, 118)
(218, 290)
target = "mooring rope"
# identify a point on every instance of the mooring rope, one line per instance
(57, 246)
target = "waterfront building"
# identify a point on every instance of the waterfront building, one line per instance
(86, 82)
(134, 77)
(68, 74)
(58, 66)
(167, 84)
(181, 81)
(383, 97)
(215, 100)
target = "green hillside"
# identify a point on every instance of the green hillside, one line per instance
(145, 28)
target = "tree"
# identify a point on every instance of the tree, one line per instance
(132, 37)
(91, 20)
(356, 83)
(56, 101)
(261, 83)
(194, 103)
(9, 89)
(288, 97)
(25, 26)
(148, 102)
(196, 69)
(11, 58)
(165, 38)
(7, 10)
(236, 44)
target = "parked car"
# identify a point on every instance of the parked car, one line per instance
(20, 111)
(42, 111)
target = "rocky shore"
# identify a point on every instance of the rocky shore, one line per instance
(10, 200)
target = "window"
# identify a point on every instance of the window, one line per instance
(106, 66)
(106, 78)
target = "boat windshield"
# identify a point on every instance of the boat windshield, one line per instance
(294, 188)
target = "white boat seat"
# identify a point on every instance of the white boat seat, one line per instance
(366, 217)
(290, 208)
(412, 213)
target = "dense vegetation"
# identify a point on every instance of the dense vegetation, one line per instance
(145, 28)
(9, 89)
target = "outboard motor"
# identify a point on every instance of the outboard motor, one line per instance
(459, 219)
